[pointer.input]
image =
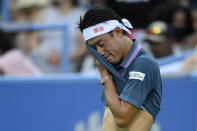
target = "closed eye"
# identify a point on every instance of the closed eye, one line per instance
(94, 47)
(101, 44)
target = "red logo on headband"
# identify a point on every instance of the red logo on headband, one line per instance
(96, 30)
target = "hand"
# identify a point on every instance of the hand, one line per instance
(103, 71)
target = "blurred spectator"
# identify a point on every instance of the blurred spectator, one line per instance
(136, 11)
(159, 36)
(61, 12)
(177, 16)
(194, 19)
(28, 11)
(181, 23)
(13, 61)
(190, 63)
(192, 39)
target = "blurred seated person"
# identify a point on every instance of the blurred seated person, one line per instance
(13, 61)
(28, 12)
(181, 24)
(190, 63)
(64, 12)
(159, 37)
(179, 19)
(128, 8)
(192, 39)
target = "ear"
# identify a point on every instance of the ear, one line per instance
(118, 32)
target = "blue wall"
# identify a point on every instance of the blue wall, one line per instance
(179, 105)
(59, 103)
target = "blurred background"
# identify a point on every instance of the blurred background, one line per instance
(49, 81)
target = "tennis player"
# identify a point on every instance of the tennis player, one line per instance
(132, 105)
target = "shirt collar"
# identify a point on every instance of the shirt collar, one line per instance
(131, 54)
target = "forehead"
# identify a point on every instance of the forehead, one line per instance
(99, 38)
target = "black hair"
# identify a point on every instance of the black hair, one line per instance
(98, 15)
(187, 12)
(5, 42)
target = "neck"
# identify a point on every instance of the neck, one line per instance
(128, 44)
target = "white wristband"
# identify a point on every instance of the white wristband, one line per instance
(104, 79)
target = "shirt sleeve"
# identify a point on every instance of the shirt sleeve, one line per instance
(140, 83)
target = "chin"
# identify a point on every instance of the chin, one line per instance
(113, 62)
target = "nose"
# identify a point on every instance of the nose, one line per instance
(100, 50)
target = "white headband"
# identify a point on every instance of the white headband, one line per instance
(105, 27)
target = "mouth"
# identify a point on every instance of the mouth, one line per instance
(107, 57)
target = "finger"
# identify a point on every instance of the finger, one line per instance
(96, 61)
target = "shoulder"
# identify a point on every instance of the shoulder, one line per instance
(146, 63)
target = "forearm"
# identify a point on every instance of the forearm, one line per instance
(112, 97)
(123, 112)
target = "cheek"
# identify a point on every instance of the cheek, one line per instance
(117, 53)
(114, 49)
(116, 46)
(115, 56)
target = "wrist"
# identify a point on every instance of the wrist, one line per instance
(105, 78)
(104, 73)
